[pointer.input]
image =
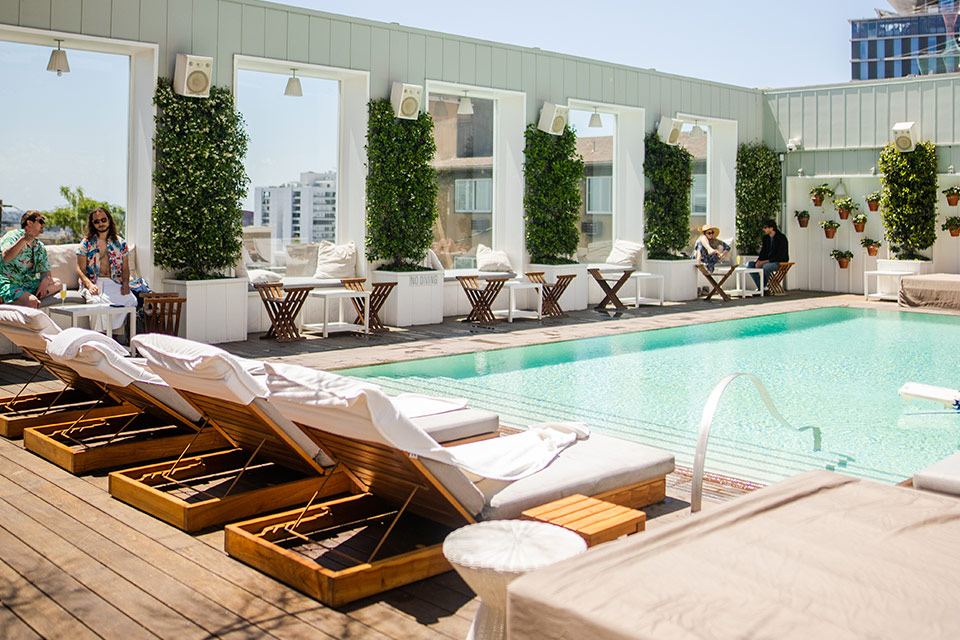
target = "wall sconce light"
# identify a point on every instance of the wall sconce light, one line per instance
(595, 121)
(950, 169)
(293, 86)
(465, 108)
(800, 172)
(58, 61)
(840, 191)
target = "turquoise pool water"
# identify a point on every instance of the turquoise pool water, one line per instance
(836, 368)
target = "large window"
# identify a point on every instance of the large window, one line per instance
(695, 138)
(69, 132)
(596, 145)
(292, 160)
(464, 164)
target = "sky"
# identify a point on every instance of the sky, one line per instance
(73, 130)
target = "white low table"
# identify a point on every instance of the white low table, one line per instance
(741, 281)
(340, 295)
(512, 312)
(637, 300)
(490, 555)
(879, 295)
(91, 311)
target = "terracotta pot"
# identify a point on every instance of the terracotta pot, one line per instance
(843, 262)
(830, 231)
(803, 221)
(873, 205)
(844, 213)
(872, 249)
(955, 231)
(859, 226)
(817, 200)
(952, 199)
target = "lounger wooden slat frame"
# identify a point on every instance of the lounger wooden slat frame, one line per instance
(31, 410)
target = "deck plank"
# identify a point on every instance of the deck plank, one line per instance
(13, 628)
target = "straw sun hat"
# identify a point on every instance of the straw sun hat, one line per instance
(706, 227)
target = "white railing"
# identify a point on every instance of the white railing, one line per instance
(706, 420)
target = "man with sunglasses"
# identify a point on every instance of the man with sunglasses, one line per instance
(25, 270)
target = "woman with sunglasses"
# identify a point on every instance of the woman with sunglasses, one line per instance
(103, 265)
(710, 249)
(25, 270)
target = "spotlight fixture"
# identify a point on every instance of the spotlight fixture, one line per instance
(58, 61)
(293, 86)
(465, 108)
(595, 121)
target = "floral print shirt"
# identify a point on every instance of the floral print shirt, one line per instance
(29, 264)
(707, 259)
(116, 250)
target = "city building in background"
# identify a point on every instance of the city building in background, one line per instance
(300, 212)
(918, 38)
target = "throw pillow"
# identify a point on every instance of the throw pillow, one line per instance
(625, 253)
(336, 260)
(490, 260)
(262, 276)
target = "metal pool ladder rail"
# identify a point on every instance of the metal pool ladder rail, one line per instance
(706, 420)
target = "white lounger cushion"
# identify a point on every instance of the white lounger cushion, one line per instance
(26, 328)
(942, 477)
(459, 424)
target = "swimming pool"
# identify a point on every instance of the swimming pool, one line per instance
(837, 368)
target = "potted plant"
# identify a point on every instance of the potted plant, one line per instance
(873, 200)
(953, 195)
(758, 194)
(909, 200)
(667, 217)
(829, 227)
(401, 211)
(843, 257)
(859, 222)
(200, 182)
(803, 217)
(819, 192)
(551, 208)
(844, 206)
(953, 225)
(871, 245)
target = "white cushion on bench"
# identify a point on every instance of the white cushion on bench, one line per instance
(942, 477)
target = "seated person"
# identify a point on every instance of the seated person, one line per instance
(25, 270)
(103, 266)
(710, 249)
(773, 251)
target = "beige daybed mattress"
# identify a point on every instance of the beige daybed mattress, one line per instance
(940, 290)
(820, 555)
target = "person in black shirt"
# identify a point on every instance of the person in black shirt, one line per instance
(773, 251)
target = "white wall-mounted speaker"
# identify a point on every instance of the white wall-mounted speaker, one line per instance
(669, 130)
(905, 136)
(553, 118)
(192, 75)
(794, 144)
(405, 99)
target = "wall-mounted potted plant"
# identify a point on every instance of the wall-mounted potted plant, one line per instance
(758, 195)
(401, 211)
(844, 206)
(873, 201)
(829, 227)
(200, 182)
(819, 192)
(842, 257)
(552, 171)
(953, 195)
(667, 217)
(803, 217)
(871, 245)
(952, 224)
(859, 222)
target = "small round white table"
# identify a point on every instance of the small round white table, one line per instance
(490, 555)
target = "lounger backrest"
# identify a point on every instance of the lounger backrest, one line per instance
(219, 385)
(26, 328)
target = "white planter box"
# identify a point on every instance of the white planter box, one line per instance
(575, 296)
(216, 310)
(887, 286)
(417, 298)
(679, 278)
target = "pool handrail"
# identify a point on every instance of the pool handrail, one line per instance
(706, 420)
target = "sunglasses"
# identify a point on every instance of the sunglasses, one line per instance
(40, 220)
(100, 221)
(708, 233)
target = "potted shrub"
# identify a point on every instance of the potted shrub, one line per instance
(873, 200)
(401, 211)
(909, 200)
(952, 224)
(842, 257)
(667, 217)
(829, 227)
(758, 194)
(803, 217)
(859, 222)
(844, 206)
(819, 192)
(871, 245)
(552, 171)
(200, 182)
(953, 195)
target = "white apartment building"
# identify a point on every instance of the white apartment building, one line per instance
(304, 211)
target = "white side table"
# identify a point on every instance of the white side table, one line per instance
(879, 295)
(512, 312)
(741, 279)
(637, 277)
(77, 311)
(490, 555)
(341, 325)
